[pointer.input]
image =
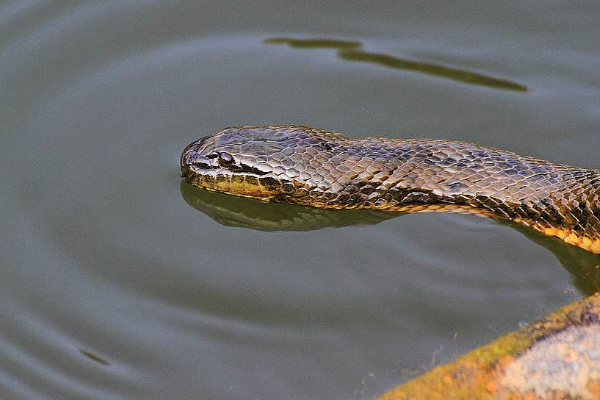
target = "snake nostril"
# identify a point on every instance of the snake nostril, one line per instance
(187, 158)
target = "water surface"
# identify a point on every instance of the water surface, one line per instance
(113, 287)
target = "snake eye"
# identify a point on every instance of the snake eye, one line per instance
(225, 159)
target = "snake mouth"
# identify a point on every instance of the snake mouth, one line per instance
(236, 179)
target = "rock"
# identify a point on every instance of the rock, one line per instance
(555, 358)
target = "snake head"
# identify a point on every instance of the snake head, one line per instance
(264, 162)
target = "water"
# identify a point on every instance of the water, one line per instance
(113, 287)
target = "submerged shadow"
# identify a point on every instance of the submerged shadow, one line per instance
(254, 214)
(583, 266)
(351, 51)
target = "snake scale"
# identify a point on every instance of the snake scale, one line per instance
(317, 168)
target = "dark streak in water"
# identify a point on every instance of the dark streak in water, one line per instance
(351, 51)
(94, 357)
(315, 43)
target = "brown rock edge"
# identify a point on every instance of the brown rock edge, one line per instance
(556, 357)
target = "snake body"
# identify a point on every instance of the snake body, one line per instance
(317, 168)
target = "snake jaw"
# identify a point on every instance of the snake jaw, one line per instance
(220, 172)
(226, 181)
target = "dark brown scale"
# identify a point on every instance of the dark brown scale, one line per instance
(311, 167)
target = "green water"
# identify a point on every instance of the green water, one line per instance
(114, 287)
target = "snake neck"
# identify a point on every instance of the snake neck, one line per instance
(439, 176)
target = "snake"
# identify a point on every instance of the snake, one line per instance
(318, 168)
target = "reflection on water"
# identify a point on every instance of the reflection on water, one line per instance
(249, 213)
(583, 266)
(351, 51)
